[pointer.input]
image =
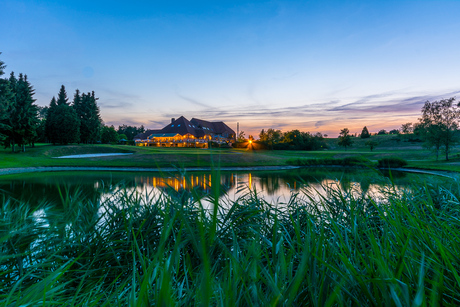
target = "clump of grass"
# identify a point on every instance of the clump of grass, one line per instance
(347, 161)
(136, 248)
(391, 162)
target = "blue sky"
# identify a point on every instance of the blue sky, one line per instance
(317, 66)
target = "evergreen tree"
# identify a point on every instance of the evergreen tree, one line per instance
(67, 125)
(50, 125)
(13, 114)
(21, 113)
(2, 67)
(6, 98)
(88, 114)
(62, 122)
(29, 116)
(365, 133)
(62, 97)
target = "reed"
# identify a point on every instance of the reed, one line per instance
(135, 248)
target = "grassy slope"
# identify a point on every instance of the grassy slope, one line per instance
(44, 155)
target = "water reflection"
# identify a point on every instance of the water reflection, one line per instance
(76, 201)
(273, 186)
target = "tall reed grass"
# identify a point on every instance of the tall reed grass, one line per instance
(132, 248)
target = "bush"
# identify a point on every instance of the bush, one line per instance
(348, 161)
(392, 162)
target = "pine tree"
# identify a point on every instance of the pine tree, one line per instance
(88, 114)
(2, 67)
(22, 113)
(6, 97)
(365, 133)
(50, 126)
(31, 113)
(62, 123)
(14, 114)
(67, 125)
(62, 97)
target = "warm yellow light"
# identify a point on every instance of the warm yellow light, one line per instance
(250, 142)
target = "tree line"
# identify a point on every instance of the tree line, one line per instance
(18, 112)
(437, 128)
(23, 123)
(291, 140)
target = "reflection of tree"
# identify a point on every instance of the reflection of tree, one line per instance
(270, 184)
(18, 230)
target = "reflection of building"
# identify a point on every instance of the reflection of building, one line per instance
(183, 133)
(199, 182)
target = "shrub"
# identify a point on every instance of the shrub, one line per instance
(392, 162)
(347, 161)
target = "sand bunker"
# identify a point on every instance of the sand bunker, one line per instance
(93, 155)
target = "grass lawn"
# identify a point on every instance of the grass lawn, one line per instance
(43, 155)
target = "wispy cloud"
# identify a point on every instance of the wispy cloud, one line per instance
(381, 111)
(191, 100)
(115, 104)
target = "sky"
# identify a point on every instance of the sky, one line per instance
(316, 66)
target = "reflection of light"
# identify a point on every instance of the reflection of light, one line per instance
(250, 180)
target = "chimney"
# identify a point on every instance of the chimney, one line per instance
(172, 120)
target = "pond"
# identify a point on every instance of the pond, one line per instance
(272, 186)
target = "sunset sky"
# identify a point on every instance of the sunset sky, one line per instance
(316, 66)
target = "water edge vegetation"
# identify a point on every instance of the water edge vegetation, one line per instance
(339, 249)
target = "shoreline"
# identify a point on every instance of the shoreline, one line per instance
(23, 170)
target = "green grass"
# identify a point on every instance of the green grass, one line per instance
(340, 249)
(153, 157)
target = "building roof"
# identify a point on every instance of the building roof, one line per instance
(182, 126)
(213, 127)
(145, 135)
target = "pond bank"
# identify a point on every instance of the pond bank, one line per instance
(10, 171)
(21, 170)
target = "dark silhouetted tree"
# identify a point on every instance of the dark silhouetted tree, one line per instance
(62, 97)
(21, 113)
(439, 124)
(345, 138)
(67, 125)
(371, 144)
(365, 133)
(270, 137)
(62, 123)
(29, 118)
(88, 114)
(130, 131)
(109, 135)
(241, 137)
(6, 100)
(406, 128)
(50, 123)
